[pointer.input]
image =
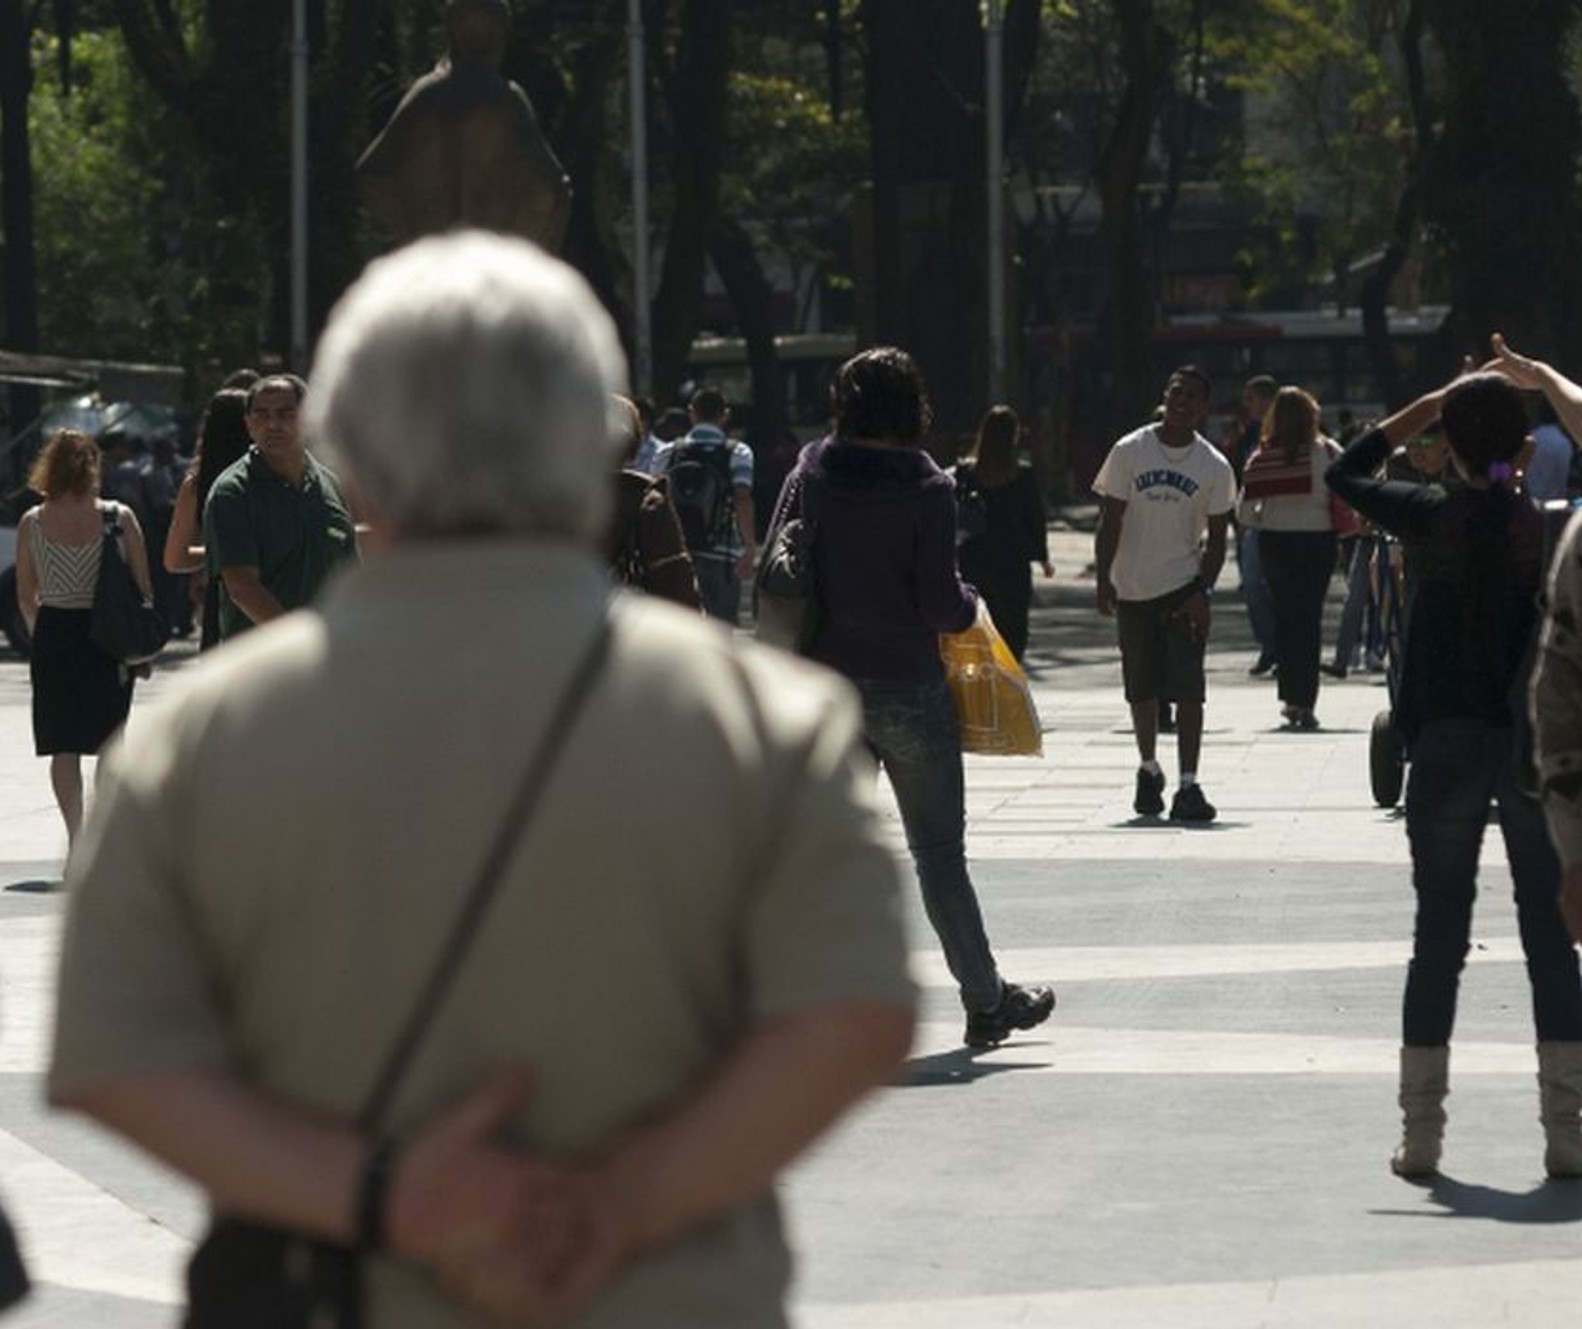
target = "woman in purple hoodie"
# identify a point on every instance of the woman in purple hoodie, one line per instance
(883, 518)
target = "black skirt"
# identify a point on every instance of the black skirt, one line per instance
(80, 695)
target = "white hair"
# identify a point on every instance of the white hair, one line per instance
(464, 383)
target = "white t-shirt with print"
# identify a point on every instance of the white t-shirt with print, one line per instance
(1170, 493)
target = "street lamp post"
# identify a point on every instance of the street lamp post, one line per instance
(642, 330)
(299, 185)
(994, 171)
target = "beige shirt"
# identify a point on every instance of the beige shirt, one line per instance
(278, 850)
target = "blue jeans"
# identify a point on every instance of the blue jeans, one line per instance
(1255, 593)
(1357, 591)
(1458, 768)
(911, 729)
(718, 587)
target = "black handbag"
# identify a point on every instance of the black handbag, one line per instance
(248, 1275)
(785, 596)
(786, 606)
(972, 506)
(14, 1283)
(123, 623)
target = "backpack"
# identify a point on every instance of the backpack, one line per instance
(700, 490)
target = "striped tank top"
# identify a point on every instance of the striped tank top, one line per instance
(67, 574)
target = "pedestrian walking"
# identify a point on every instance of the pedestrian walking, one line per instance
(710, 478)
(1165, 498)
(81, 695)
(884, 552)
(1004, 527)
(1257, 396)
(1286, 507)
(222, 441)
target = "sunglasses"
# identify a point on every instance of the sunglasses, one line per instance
(1424, 444)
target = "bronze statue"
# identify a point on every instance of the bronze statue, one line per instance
(464, 147)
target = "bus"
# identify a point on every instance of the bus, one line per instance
(808, 359)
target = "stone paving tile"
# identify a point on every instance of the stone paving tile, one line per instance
(1195, 1141)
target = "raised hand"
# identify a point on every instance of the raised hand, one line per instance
(1523, 371)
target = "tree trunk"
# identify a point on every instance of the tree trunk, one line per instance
(1374, 297)
(1128, 314)
(1501, 184)
(926, 242)
(583, 142)
(752, 297)
(695, 88)
(20, 277)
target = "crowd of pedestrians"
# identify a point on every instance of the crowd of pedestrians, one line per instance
(766, 955)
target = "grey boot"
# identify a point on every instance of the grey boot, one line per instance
(1560, 1110)
(1425, 1080)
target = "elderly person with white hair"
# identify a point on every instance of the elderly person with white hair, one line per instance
(349, 943)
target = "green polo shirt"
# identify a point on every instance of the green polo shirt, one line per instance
(295, 536)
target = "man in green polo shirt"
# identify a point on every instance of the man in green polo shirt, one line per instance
(275, 523)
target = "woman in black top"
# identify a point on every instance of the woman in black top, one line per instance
(222, 440)
(1003, 524)
(1477, 555)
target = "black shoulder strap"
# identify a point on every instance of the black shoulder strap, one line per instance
(512, 827)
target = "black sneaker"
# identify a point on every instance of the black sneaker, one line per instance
(1149, 800)
(1019, 1008)
(1333, 670)
(1190, 805)
(1262, 666)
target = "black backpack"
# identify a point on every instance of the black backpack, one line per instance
(700, 489)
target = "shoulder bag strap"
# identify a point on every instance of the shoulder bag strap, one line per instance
(114, 539)
(513, 826)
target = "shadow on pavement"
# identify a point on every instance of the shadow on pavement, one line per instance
(1547, 1202)
(958, 1066)
(34, 887)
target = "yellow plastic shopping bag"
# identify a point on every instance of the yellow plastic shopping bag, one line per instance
(994, 704)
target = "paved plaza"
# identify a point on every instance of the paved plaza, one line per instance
(1198, 1138)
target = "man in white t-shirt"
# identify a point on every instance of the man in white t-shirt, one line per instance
(1162, 490)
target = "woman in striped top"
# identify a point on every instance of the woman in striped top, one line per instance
(1283, 498)
(80, 695)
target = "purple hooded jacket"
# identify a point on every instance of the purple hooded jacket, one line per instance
(884, 540)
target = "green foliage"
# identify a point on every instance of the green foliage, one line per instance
(97, 205)
(1329, 139)
(790, 165)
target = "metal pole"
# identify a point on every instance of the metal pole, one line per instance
(994, 173)
(299, 185)
(642, 320)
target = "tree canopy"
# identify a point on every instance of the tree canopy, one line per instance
(822, 164)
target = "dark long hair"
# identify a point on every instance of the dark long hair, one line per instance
(993, 454)
(222, 437)
(879, 394)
